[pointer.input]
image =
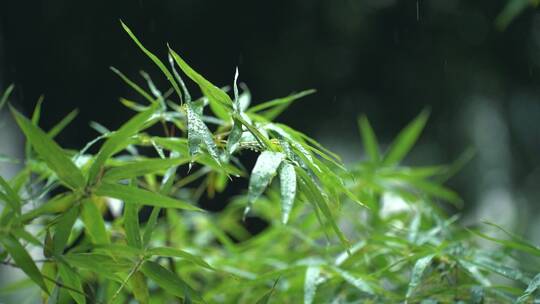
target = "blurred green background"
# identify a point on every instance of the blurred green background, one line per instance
(386, 58)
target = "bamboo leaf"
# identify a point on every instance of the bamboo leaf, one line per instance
(63, 229)
(310, 283)
(287, 180)
(369, 139)
(5, 95)
(417, 273)
(199, 134)
(118, 140)
(10, 196)
(169, 281)
(140, 196)
(139, 287)
(533, 286)
(405, 140)
(131, 225)
(220, 102)
(142, 167)
(177, 253)
(93, 222)
(264, 170)
(277, 106)
(154, 59)
(51, 153)
(62, 124)
(23, 260)
(71, 279)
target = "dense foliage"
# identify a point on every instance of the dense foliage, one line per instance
(375, 232)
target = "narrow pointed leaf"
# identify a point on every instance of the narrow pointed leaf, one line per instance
(417, 273)
(264, 170)
(310, 283)
(142, 167)
(287, 181)
(533, 286)
(119, 140)
(169, 281)
(139, 287)
(142, 197)
(219, 100)
(5, 95)
(177, 253)
(62, 124)
(154, 59)
(93, 222)
(23, 260)
(51, 153)
(131, 225)
(199, 134)
(63, 229)
(71, 278)
(369, 139)
(10, 196)
(405, 140)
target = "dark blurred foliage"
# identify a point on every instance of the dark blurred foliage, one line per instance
(386, 58)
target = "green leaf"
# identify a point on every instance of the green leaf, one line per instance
(417, 273)
(265, 299)
(62, 124)
(369, 139)
(139, 287)
(357, 282)
(199, 134)
(142, 167)
(277, 106)
(287, 180)
(177, 253)
(72, 280)
(10, 196)
(405, 140)
(310, 283)
(51, 153)
(63, 229)
(169, 281)
(23, 260)
(154, 59)
(59, 203)
(150, 226)
(140, 196)
(133, 85)
(234, 137)
(131, 225)
(118, 140)
(220, 102)
(264, 170)
(6, 95)
(533, 286)
(93, 222)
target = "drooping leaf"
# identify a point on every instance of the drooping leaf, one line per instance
(287, 181)
(417, 273)
(264, 170)
(310, 283)
(119, 140)
(405, 140)
(59, 203)
(93, 221)
(169, 281)
(71, 278)
(132, 84)
(51, 153)
(140, 196)
(63, 229)
(139, 287)
(369, 139)
(533, 286)
(199, 134)
(23, 260)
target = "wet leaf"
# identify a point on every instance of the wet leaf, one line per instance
(264, 170)
(287, 180)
